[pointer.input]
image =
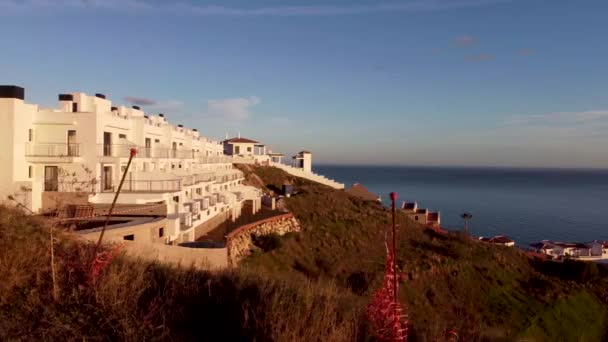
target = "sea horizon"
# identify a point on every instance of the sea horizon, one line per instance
(526, 204)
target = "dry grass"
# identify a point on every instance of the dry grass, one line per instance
(135, 300)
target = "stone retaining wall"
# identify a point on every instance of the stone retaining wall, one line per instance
(240, 243)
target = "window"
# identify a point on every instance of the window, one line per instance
(30, 172)
(416, 217)
(51, 178)
(176, 198)
(74, 107)
(161, 232)
(248, 149)
(30, 135)
(122, 136)
(157, 141)
(129, 237)
(237, 149)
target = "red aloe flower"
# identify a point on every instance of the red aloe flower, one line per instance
(101, 261)
(388, 317)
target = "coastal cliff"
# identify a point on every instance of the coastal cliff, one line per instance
(313, 285)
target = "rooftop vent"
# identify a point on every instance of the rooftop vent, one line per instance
(180, 126)
(66, 97)
(161, 115)
(101, 96)
(114, 108)
(12, 92)
(136, 107)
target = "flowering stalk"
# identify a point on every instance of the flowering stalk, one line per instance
(384, 311)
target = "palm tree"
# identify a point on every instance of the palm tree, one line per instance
(466, 217)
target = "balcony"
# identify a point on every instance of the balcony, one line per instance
(124, 150)
(171, 185)
(52, 150)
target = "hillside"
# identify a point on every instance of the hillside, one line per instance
(449, 281)
(314, 286)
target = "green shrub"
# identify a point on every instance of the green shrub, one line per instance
(268, 242)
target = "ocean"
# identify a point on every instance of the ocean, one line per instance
(527, 205)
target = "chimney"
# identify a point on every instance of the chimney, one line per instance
(114, 108)
(195, 130)
(101, 96)
(66, 101)
(180, 126)
(12, 92)
(136, 107)
(161, 115)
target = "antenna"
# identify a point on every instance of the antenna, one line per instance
(239, 134)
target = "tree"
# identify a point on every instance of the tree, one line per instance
(466, 217)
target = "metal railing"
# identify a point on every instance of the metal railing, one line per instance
(124, 150)
(171, 185)
(52, 150)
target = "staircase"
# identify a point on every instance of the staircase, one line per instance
(294, 171)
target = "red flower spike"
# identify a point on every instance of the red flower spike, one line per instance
(133, 152)
(393, 196)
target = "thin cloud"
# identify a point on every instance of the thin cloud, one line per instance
(234, 109)
(482, 57)
(436, 50)
(526, 52)
(191, 8)
(559, 118)
(140, 101)
(465, 40)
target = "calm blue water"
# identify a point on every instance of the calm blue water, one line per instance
(526, 204)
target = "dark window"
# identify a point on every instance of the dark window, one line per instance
(157, 140)
(30, 172)
(30, 135)
(74, 107)
(237, 149)
(161, 232)
(51, 178)
(248, 149)
(122, 136)
(129, 237)
(416, 217)
(176, 198)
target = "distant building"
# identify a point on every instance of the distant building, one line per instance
(590, 250)
(421, 215)
(499, 240)
(303, 160)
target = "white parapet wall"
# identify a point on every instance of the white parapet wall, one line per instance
(294, 171)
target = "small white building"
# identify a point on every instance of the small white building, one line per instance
(303, 160)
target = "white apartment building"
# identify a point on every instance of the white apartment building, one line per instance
(84, 146)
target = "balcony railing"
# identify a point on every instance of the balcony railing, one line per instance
(170, 185)
(123, 151)
(52, 150)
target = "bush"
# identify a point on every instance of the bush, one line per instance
(268, 242)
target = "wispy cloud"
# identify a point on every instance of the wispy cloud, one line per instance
(140, 101)
(234, 109)
(192, 8)
(175, 107)
(526, 52)
(465, 40)
(482, 57)
(560, 118)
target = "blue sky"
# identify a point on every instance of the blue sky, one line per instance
(414, 82)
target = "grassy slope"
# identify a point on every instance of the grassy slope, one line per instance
(134, 300)
(315, 287)
(449, 281)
